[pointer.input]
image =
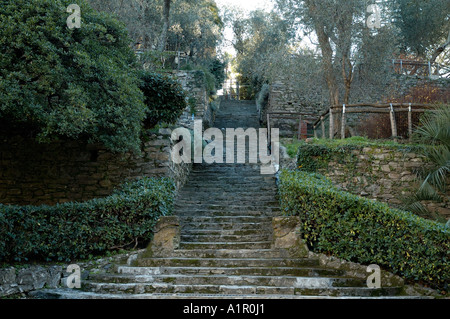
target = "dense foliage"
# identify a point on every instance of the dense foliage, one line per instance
(194, 27)
(77, 83)
(418, 32)
(366, 231)
(163, 96)
(76, 230)
(434, 130)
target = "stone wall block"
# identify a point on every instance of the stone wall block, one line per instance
(166, 237)
(287, 236)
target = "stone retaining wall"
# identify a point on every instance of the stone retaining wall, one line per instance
(377, 173)
(26, 278)
(36, 174)
(381, 173)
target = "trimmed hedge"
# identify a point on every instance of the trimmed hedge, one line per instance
(366, 231)
(71, 231)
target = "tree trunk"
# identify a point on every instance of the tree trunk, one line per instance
(327, 60)
(439, 50)
(165, 29)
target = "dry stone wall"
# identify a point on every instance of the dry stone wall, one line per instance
(36, 174)
(193, 83)
(381, 173)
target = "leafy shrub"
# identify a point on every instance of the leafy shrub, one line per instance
(217, 69)
(76, 230)
(164, 98)
(366, 231)
(435, 131)
(78, 83)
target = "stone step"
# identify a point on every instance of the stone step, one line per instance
(226, 245)
(263, 226)
(78, 294)
(307, 271)
(232, 211)
(221, 198)
(231, 171)
(226, 262)
(237, 219)
(235, 189)
(239, 280)
(195, 237)
(143, 288)
(233, 180)
(230, 253)
(194, 211)
(229, 205)
(191, 233)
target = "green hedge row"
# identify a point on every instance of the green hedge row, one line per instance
(71, 231)
(366, 231)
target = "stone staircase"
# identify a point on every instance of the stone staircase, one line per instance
(227, 244)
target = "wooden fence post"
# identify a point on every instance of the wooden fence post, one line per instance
(268, 128)
(300, 128)
(393, 123)
(410, 122)
(331, 124)
(343, 122)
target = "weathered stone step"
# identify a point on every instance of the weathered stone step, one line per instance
(225, 173)
(307, 271)
(263, 226)
(226, 262)
(248, 188)
(205, 196)
(216, 170)
(142, 288)
(191, 211)
(226, 245)
(224, 212)
(239, 280)
(226, 189)
(229, 253)
(256, 236)
(215, 232)
(224, 199)
(232, 206)
(234, 180)
(239, 219)
(77, 294)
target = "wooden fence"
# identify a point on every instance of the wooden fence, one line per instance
(390, 108)
(426, 68)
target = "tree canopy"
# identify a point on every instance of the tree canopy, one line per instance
(78, 83)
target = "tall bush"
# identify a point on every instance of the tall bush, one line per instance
(164, 98)
(78, 83)
(435, 131)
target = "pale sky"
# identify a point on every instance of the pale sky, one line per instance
(246, 6)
